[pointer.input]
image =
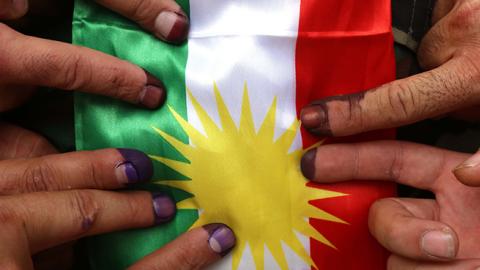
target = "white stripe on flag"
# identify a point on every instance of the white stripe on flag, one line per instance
(253, 41)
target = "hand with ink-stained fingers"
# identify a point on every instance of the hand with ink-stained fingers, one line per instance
(27, 61)
(450, 52)
(48, 200)
(422, 234)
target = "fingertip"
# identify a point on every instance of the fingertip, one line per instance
(136, 167)
(221, 238)
(153, 94)
(468, 171)
(164, 208)
(439, 244)
(315, 119)
(307, 164)
(17, 9)
(172, 26)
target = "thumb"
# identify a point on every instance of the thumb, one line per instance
(13, 9)
(468, 172)
(195, 249)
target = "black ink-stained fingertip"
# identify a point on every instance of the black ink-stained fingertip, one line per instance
(307, 164)
(315, 119)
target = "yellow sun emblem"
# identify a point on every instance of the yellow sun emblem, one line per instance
(248, 181)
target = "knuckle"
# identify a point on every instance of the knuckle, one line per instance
(40, 176)
(401, 101)
(396, 167)
(85, 209)
(74, 70)
(93, 175)
(7, 215)
(465, 16)
(141, 11)
(189, 261)
(123, 86)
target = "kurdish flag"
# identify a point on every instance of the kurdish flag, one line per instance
(228, 143)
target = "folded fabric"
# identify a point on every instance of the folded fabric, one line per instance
(227, 144)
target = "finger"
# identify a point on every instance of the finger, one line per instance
(12, 96)
(164, 18)
(399, 263)
(442, 8)
(16, 142)
(468, 172)
(59, 257)
(13, 9)
(437, 46)
(53, 218)
(195, 249)
(429, 94)
(403, 162)
(14, 250)
(406, 228)
(32, 61)
(101, 169)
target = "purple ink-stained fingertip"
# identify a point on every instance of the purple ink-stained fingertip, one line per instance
(221, 238)
(137, 165)
(164, 208)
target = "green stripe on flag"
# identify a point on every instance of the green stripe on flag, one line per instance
(102, 122)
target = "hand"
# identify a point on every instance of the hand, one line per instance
(28, 61)
(49, 200)
(440, 233)
(451, 53)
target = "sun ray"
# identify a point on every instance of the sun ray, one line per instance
(247, 180)
(289, 135)
(258, 252)
(278, 254)
(177, 144)
(246, 119)
(208, 124)
(295, 244)
(179, 166)
(306, 229)
(225, 118)
(313, 212)
(196, 136)
(237, 256)
(188, 203)
(267, 129)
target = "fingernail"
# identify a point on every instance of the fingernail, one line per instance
(315, 119)
(307, 164)
(153, 94)
(136, 167)
(473, 161)
(163, 207)
(172, 26)
(20, 7)
(438, 244)
(221, 238)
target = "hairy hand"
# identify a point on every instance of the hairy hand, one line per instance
(451, 54)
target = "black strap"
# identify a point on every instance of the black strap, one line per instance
(411, 21)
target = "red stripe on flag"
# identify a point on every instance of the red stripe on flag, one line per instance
(345, 47)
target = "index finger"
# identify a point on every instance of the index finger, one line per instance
(433, 93)
(27, 60)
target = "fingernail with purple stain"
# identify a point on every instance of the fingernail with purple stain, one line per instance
(164, 208)
(136, 167)
(221, 238)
